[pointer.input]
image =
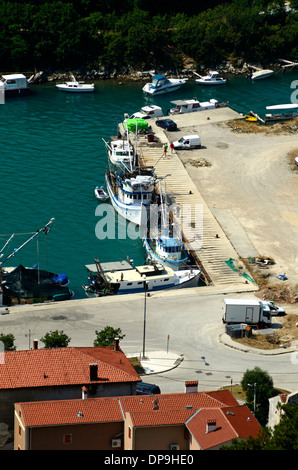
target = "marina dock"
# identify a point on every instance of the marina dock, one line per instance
(214, 252)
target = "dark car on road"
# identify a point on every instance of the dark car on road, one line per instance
(167, 124)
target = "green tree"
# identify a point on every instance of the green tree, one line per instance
(8, 341)
(258, 386)
(106, 336)
(55, 339)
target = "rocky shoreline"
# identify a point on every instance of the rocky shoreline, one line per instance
(131, 74)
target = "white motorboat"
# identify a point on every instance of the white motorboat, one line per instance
(131, 280)
(101, 194)
(14, 84)
(190, 106)
(148, 112)
(131, 193)
(212, 78)
(260, 74)
(76, 87)
(161, 84)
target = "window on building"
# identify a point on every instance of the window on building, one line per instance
(67, 439)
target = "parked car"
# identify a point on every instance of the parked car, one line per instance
(147, 389)
(167, 124)
(274, 309)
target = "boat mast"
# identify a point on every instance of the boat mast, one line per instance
(44, 229)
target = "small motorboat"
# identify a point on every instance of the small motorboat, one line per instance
(211, 79)
(76, 87)
(101, 194)
(260, 74)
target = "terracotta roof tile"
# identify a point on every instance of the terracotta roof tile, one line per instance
(92, 410)
(160, 418)
(63, 366)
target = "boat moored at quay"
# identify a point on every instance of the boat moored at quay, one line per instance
(130, 280)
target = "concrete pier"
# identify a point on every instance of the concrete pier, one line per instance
(213, 248)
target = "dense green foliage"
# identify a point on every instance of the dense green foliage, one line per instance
(86, 33)
(55, 339)
(258, 386)
(107, 336)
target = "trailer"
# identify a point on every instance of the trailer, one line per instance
(249, 311)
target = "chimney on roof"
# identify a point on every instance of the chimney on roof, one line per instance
(84, 393)
(93, 372)
(116, 344)
(35, 344)
(210, 425)
(191, 386)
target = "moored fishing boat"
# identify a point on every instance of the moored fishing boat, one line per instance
(131, 193)
(22, 285)
(153, 277)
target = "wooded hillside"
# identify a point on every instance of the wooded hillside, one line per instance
(53, 34)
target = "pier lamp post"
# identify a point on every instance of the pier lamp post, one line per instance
(145, 313)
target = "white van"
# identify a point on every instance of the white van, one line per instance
(188, 142)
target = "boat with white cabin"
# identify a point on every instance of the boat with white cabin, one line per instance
(14, 84)
(161, 84)
(76, 87)
(154, 277)
(193, 105)
(212, 78)
(131, 193)
(148, 112)
(121, 152)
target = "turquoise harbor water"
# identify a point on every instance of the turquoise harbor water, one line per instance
(52, 157)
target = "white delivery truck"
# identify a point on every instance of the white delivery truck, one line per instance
(188, 142)
(249, 311)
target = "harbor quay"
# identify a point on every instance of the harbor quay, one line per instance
(238, 210)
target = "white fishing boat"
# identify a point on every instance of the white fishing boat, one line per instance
(14, 84)
(101, 194)
(161, 84)
(131, 280)
(131, 193)
(212, 78)
(260, 74)
(121, 152)
(166, 250)
(76, 87)
(191, 106)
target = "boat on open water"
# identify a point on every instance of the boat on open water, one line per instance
(161, 84)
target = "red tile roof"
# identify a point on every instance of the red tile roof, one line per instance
(92, 410)
(230, 423)
(63, 366)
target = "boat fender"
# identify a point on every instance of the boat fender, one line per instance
(145, 187)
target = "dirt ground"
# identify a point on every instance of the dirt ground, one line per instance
(247, 170)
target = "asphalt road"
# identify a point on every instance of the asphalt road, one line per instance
(186, 322)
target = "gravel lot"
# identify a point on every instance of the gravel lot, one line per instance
(248, 180)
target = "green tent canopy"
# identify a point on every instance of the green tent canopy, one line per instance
(133, 124)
